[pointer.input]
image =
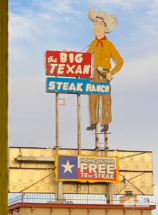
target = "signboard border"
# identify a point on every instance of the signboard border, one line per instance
(85, 180)
(64, 63)
(84, 81)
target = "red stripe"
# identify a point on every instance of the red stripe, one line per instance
(94, 179)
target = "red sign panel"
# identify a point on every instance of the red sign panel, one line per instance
(68, 63)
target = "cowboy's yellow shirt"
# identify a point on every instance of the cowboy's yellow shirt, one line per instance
(103, 54)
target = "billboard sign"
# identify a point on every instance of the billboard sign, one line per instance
(73, 85)
(73, 64)
(84, 168)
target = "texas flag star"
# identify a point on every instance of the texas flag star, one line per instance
(67, 167)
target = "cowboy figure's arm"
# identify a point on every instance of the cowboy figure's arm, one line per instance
(116, 58)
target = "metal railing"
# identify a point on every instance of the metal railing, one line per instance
(78, 199)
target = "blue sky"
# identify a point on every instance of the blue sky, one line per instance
(37, 26)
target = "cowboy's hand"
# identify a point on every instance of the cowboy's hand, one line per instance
(109, 77)
(65, 50)
(100, 68)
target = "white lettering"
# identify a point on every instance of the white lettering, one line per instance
(52, 68)
(63, 57)
(50, 59)
(65, 86)
(83, 166)
(70, 69)
(51, 85)
(95, 175)
(98, 88)
(86, 69)
(101, 168)
(107, 89)
(110, 168)
(72, 87)
(79, 87)
(111, 176)
(107, 176)
(99, 175)
(93, 88)
(103, 175)
(92, 167)
(78, 70)
(60, 69)
(59, 85)
(71, 57)
(88, 87)
(102, 90)
(78, 58)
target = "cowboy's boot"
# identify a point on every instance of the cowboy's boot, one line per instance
(105, 128)
(91, 127)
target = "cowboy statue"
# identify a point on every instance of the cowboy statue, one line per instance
(103, 50)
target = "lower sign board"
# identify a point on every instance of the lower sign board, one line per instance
(72, 85)
(84, 168)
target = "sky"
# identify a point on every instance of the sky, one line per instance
(37, 26)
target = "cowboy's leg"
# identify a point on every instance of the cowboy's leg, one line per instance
(106, 116)
(94, 108)
(94, 102)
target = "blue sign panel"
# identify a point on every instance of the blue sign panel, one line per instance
(73, 85)
(68, 167)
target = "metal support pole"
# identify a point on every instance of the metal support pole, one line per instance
(57, 123)
(96, 140)
(79, 123)
(109, 186)
(109, 193)
(106, 144)
(58, 193)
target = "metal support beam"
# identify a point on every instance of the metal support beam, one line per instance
(96, 140)
(109, 186)
(109, 193)
(57, 123)
(35, 159)
(58, 194)
(4, 107)
(106, 144)
(79, 123)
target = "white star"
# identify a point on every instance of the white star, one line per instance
(67, 167)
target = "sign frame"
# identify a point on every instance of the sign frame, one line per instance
(86, 180)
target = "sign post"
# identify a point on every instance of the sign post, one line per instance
(79, 123)
(74, 65)
(58, 194)
(59, 184)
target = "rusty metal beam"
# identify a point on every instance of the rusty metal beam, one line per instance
(35, 159)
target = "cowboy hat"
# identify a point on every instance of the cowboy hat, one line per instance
(109, 19)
